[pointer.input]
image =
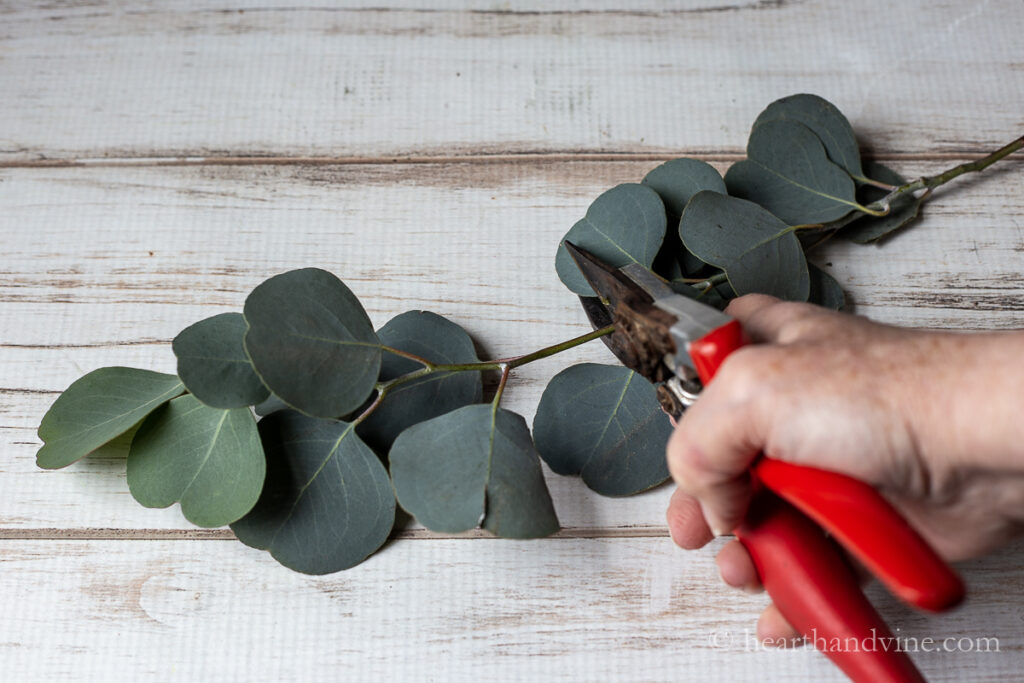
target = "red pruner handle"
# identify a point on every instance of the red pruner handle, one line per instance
(710, 351)
(870, 529)
(817, 592)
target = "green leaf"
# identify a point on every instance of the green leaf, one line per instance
(213, 364)
(758, 252)
(677, 180)
(904, 209)
(99, 407)
(474, 464)
(624, 225)
(789, 173)
(327, 503)
(604, 423)
(438, 340)
(825, 291)
(825, 120)
(312, 343)
(207, 458)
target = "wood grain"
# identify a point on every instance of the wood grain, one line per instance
(105, 265)
(298, 79)
(438, 610)
(159, 159)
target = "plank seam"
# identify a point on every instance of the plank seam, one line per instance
(400, 159)
(114, 534)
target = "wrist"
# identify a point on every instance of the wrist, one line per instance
(961, 397)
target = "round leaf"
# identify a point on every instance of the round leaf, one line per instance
(474, 464)
(758, 252)
(677, 180)
(903, 210)
(825, 120)
(327, 503)
(311, 342)
(98, 408)
(789, 173)
(604, 423)
(213, 364)
(438, 340)
(209, 459)
(624, 225)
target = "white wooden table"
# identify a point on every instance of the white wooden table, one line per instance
(159, 159)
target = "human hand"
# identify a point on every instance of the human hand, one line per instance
(928, 418)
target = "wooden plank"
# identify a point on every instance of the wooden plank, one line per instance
(450, 610)
(357, 79)
(104, 266)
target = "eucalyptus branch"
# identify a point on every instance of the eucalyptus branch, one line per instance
(505, 365)
(929, 183)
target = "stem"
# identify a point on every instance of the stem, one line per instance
(505, 370)
(558, 348)
(929, 183)
(503, 364)
(411, 356)
(370, 408)
(873, 210)
(709, 282)
(877, 183)
(516, 361)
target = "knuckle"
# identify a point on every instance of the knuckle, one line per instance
(744, 372)
(799, 321)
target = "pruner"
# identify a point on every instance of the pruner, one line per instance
(798, 514)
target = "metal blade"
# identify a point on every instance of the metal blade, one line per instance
(607, 281)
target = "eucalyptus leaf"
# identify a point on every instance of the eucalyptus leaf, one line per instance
(438, 340)
(213, 364)
(99, 407)
(677, 180)
(604, 423)
(475, 464)
(825, 291)
(789, 173)
(903, 210)
(327, 503)
(311, 342)
(757, 251)
(825, 121)
(624, 225)
(209, 459)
